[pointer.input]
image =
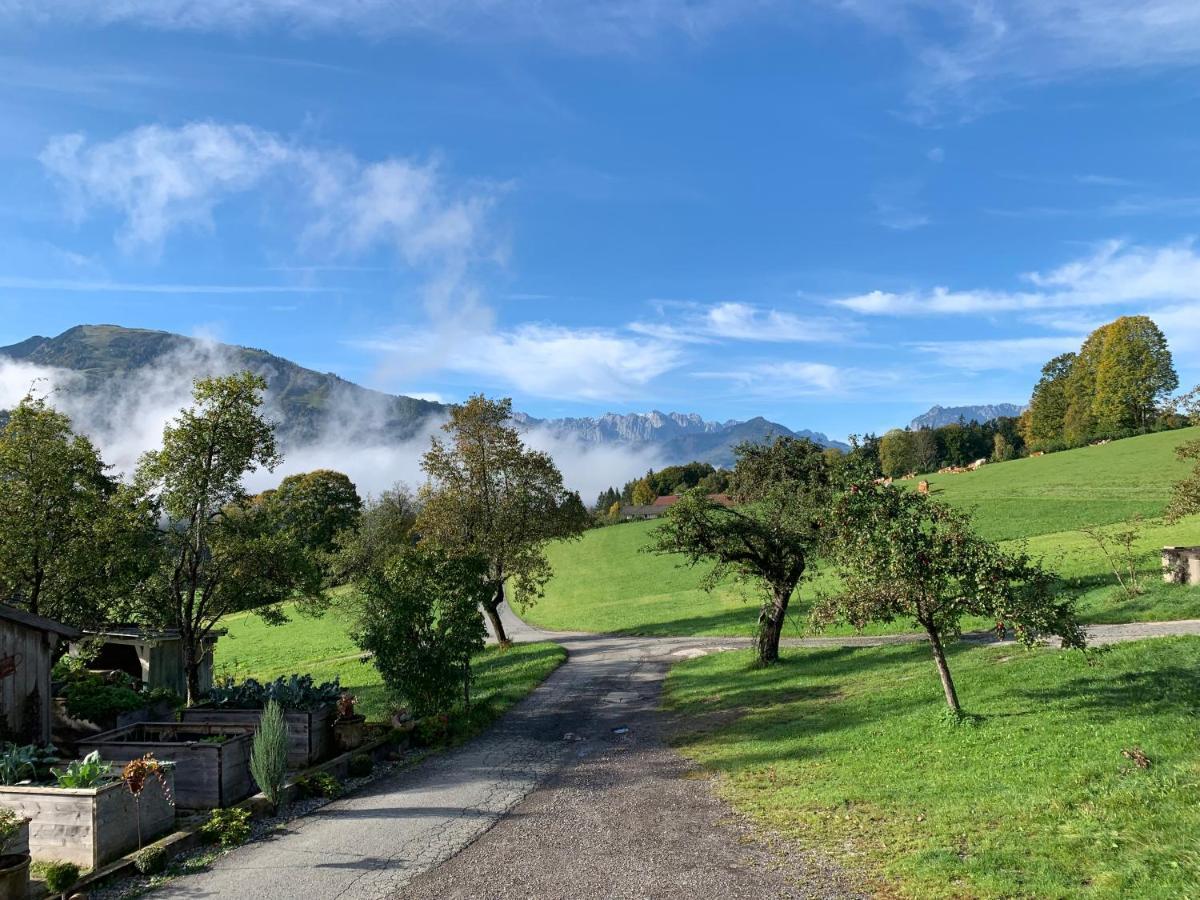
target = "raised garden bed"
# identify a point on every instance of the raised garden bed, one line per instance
(90, 826)
(308, 730)
(212, 762)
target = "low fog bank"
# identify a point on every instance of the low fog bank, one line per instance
(125, 414)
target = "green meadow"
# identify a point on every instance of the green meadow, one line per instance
(605, 583)
(323, 648)
(848, 751)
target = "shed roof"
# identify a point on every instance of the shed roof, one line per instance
(142, 633)
(40, 623)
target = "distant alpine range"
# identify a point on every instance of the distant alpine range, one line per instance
(306, 403)
(948, 415)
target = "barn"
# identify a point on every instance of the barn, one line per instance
(27, 644)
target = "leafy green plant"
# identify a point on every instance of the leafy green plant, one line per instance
(84, 773)
(319, 784)
(227, 827)
(290, 692)
(59, 875)
(27, 762)
(150, 861)
(214, 739)
(432, 730)
(360, 765)
(268, 756)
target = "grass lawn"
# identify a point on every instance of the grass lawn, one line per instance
(604, 582)
(847, 750)
(322, 648)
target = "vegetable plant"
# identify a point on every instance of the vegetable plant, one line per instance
(24, 762)
(88, 772)
(297, 692)
(10, 824)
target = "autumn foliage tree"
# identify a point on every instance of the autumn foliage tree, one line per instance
(489, 496)
(903, 555)
(769, 539)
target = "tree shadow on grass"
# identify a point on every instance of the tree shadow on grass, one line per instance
(1170, 690)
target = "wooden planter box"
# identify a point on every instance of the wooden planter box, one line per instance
(90, 826)
(309, 739)
(207, 775)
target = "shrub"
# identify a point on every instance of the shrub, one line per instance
(320, 784)
(227, 827)
(268, 757)
(84, 773)
(59, 875)
(432, 730)
(10, 824)
(291, 692)
(150, 861)
(94, 699)
(360, 764)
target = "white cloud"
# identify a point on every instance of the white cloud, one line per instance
(798, 378)
(161, 180)
(540, 360)
(1116, 273)
(741, 322)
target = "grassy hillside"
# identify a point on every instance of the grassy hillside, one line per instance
(604, 582)
(1065, 491)
(847, 751)
(323, 648)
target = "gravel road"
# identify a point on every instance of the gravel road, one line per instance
(573, 793)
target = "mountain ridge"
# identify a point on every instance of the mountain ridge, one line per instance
(937, 416)
(307, 403)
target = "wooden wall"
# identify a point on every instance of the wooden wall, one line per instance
(25, 690)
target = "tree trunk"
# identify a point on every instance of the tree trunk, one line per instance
(770, 625)
(191, 671)
(492, 609)
(939, 657)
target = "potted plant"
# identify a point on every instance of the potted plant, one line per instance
(14, 854)
(348, 726)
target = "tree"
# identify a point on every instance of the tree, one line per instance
(905, 555)
(925, 450)
(1048, 406)
(897, 453)
(1185, 498)
(315, 507)
(1134, 373)
(73, 541)
(643, 494)
(420, 619)
(489, 496)
(219, 553)
(767, 540)
(1002, 450)
(385, 530)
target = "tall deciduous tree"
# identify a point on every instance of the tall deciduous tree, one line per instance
(905, 555)
(1134, 375)
(768, 539)
(219, 552)
(490, 496)
(314, 507)
(1048, 406)
(385, 530)
(897, 453)
(73, 541)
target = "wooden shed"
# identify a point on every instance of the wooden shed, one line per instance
(27, 645)
(151, 655)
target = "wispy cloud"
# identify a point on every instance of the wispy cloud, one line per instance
(1115, 273)
(616, 24)
(138, 287)
(1013, 354)
(785, 379)
(691, 323)
(541, 360)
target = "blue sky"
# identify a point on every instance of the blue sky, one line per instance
(833, 214)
